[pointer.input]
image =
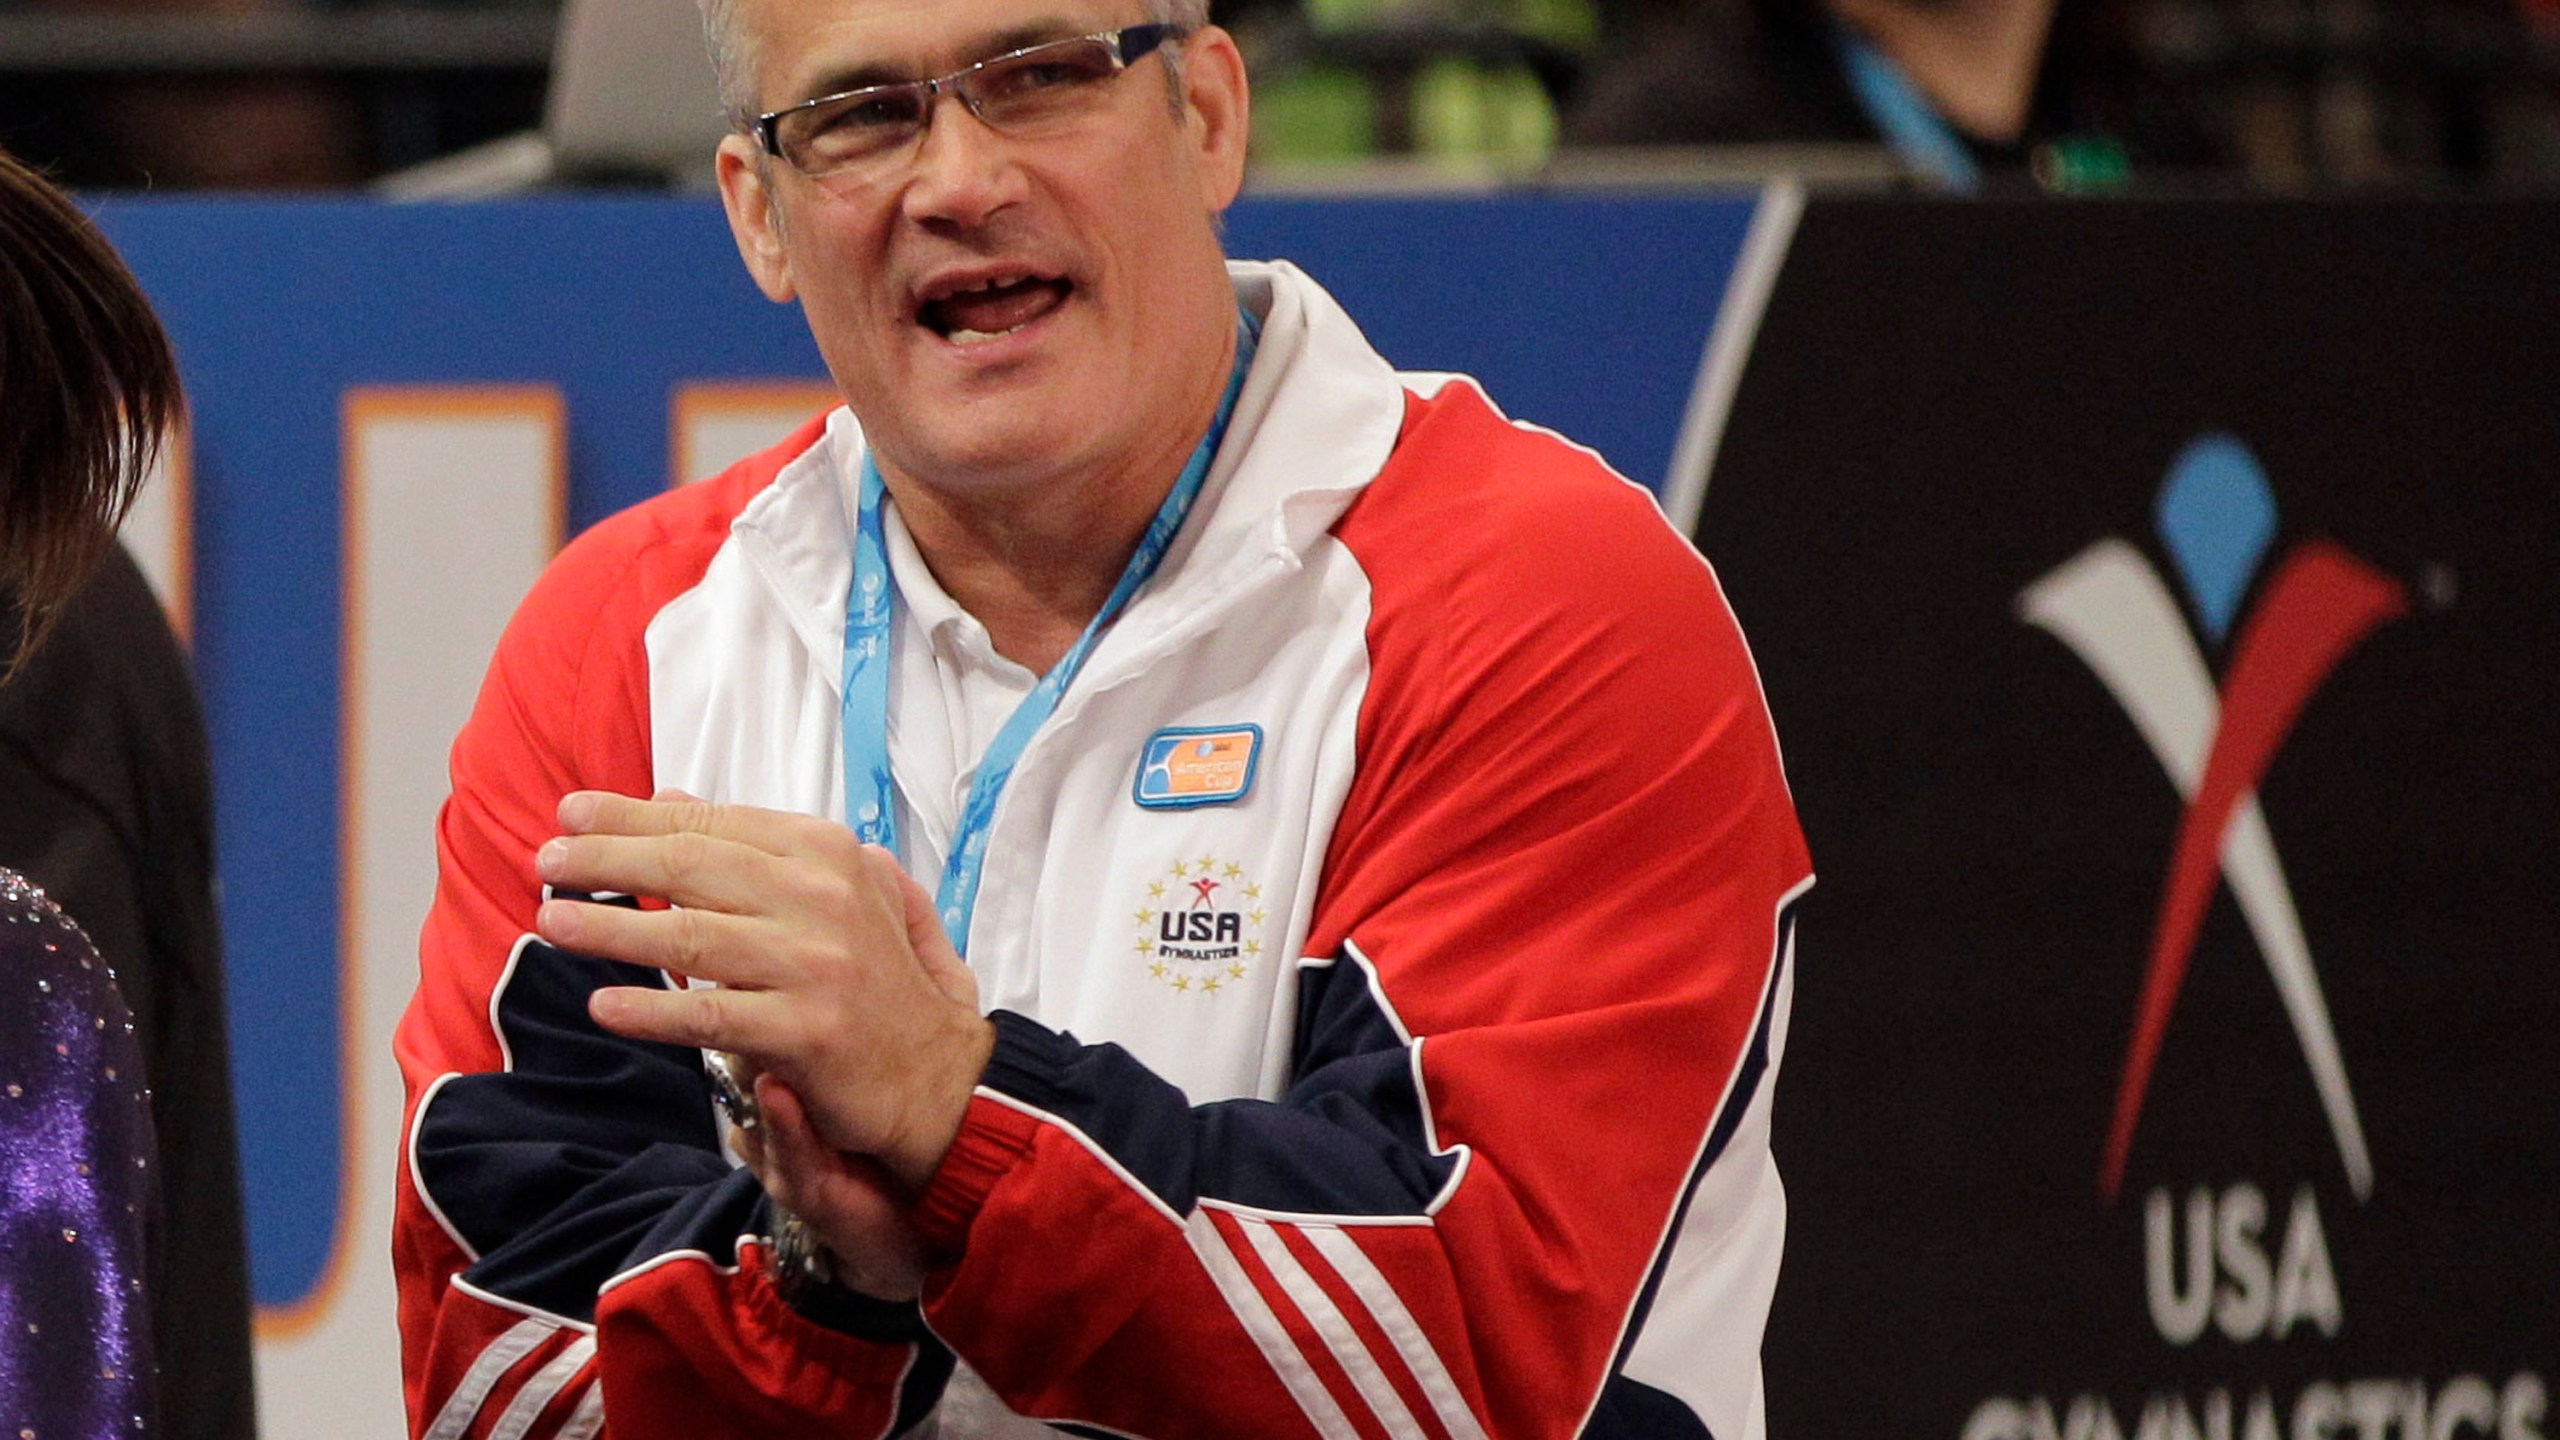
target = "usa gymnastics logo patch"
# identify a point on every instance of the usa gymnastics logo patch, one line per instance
(1182, 769)
(1199, 929)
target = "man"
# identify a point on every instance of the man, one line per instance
(1358, 814)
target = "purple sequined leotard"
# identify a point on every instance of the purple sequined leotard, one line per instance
(75, 1185)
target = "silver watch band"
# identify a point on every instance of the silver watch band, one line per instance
(800, 1264)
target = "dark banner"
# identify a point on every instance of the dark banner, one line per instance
(2160, 607)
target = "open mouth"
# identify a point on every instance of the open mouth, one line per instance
(984, 310)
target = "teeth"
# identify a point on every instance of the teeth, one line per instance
(1007, 280)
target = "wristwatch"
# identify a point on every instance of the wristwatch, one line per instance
(731, 1090)
(801, 1266)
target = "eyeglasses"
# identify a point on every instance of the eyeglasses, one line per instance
(1027, 92)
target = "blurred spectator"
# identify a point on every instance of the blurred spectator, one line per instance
(2282, 93)
(1714, 72)
(262, 131)
(1958, 87)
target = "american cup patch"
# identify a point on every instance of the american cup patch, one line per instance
(1184, 768)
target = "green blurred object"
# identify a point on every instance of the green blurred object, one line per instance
(1448, 108)
(1560, 22)
(1462, 110)
(1523, 115)
(1315, 112)
(1453, 106)
(1571, 24)
(2083, 165)
(1333, 16)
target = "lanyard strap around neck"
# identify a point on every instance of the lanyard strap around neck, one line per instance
(1910, 124)
(870, 791)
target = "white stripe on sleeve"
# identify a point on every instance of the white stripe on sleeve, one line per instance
(463, 1405)
(588, 1419)
(1338, 1335)
(1365, 1281)
(542, 1389)
(1304, 1385)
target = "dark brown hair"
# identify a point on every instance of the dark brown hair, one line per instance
(87, 389)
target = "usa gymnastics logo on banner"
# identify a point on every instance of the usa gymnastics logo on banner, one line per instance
(2217, 516)
(2282, 621)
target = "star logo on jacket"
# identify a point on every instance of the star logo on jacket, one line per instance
(1199, 925)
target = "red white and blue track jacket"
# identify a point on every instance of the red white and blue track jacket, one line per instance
(1392, 1057)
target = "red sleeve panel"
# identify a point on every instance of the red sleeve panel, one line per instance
(575, 1255)
(1569, 855)
(1539, 992)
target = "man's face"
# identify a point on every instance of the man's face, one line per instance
(1000, 311)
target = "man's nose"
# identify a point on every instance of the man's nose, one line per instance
(965, 170)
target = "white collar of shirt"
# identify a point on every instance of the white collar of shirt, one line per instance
(949, 693)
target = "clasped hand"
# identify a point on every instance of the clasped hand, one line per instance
(836, 985)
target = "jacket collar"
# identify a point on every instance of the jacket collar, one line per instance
(1317, 419)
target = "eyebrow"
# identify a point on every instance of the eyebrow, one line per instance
(1003, 42)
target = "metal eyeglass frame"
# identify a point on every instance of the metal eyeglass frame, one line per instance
(1128, 45)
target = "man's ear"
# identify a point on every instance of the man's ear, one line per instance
(752, 220)
(1220, 112)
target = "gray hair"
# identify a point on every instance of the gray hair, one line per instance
(734, 67)
(727, 46)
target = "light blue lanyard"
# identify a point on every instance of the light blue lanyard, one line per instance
(1926, 142)
(870, 794)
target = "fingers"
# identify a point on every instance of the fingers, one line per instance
(815, 1177)
(790, 1149)
(744, 1022)
(846, 1199)
(663, 842)
(803, 1172)
(834, 970)
(735, 860)
(925, 935)
(687, 867)
(673, 812)
(916, 905)
(702, 944)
